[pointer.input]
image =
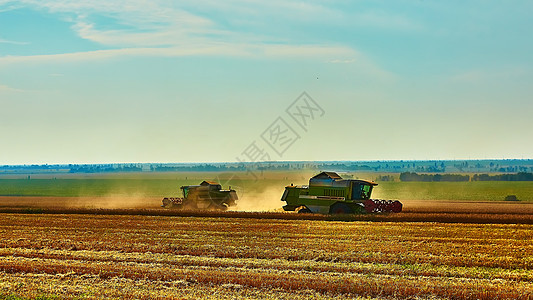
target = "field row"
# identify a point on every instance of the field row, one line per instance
(272, 258)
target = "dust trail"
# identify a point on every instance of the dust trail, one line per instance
(117, 196)
(116, 201)
(268, 199)
(134, 201)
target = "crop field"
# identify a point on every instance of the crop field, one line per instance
(105, 236)
(116, 256)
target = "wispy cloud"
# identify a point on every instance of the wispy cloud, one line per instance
(228, 49)
(175, 28)
(163, 28)
(3, 41)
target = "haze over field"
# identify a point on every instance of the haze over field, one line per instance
(203, 81)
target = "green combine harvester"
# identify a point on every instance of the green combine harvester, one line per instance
(208, 195)
(328, 193)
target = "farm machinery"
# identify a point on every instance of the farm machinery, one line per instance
(328, 193)
(208, 195)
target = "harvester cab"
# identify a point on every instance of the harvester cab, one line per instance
(361, 190)
(329, 193)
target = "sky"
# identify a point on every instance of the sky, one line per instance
(243, 80)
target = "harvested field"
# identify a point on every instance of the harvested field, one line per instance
(125, 256)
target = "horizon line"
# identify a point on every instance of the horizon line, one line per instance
(268, 162)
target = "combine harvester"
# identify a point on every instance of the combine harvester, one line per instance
(208, 195)
(328, 193)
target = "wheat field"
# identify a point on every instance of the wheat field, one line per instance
(128, 256)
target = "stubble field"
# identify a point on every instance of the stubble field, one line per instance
(117, 256)
(98, 244)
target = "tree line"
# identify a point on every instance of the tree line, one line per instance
(520, 176)
(412, 176)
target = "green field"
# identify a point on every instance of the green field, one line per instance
(167, 184)
(470, 191)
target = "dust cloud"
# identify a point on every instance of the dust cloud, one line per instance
(118, 197)
(268, 199)
(115, 201)
(134, 201)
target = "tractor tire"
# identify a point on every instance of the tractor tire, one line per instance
(340, 208)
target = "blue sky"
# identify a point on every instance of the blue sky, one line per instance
(195, 81)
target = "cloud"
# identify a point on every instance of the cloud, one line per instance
(2, 41)
(156, 23)
(228, 49)
(132, 23)
(207, 28)
(139, 23)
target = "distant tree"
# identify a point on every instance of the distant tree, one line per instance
(521, 176)
(411, 176)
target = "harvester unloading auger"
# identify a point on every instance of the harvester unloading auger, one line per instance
(206, 196)
(328, 193)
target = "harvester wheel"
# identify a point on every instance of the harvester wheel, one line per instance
(340, 208)
(167, 203)
(215, 206)
(224, 206)
(303, 210)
